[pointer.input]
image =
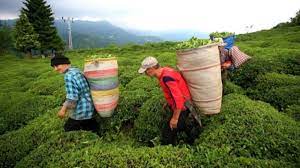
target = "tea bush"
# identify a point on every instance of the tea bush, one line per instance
(280, 90)
(16, 84)
(83, 150)
(128, 107)
(253, 129)
(246, 76)
(136, 92)
(127, 73)
(274, 80)
(47, 86)
(142, 82)
(56, 146)
(110, 155)
(230, 87)
(151, 119)
(282, 97)
(16, 79)
(293, 111)
(17, 109)
(265, 60)
(17, 144)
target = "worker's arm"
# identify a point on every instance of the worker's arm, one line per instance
(177, 97)
(62, 111)
(174, 120)
(71, 96)
(68, 105)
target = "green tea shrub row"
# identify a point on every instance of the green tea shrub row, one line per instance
(128, 108)
(293, 111)
(246, 76)
(47, 86)
(230, 87)
(274, 80)
(253, 129)
(151, 119)
(17, 109)
(15, 84)
(280, 90)
(142, 82)
(83, 150)
(127, 73)
(17, 144)
(282, 97)
(55, 146)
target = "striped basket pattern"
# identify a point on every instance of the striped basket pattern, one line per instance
(102, 75)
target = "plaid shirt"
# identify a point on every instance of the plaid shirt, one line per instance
(77, 90)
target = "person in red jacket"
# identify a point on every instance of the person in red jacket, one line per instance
(176, 94)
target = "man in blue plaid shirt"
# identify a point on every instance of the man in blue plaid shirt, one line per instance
(78, 102)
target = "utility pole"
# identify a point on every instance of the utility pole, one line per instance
(69, 21)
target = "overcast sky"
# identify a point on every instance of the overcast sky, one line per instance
(161, 15)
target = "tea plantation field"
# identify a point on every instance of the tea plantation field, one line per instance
(257, 127)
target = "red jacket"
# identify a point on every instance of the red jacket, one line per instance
(174, 87)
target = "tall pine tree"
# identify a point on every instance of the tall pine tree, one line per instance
(25, 36)
(41, 17)
(6, 39)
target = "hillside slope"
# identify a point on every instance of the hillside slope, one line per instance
(257, 127)
(87, 34)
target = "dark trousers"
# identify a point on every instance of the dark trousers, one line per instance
(224, 74)
(87, 125)
(186, 123)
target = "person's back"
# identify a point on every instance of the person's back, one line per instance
(78, 89)
(78, 102)
(170, 79)
(177, 94)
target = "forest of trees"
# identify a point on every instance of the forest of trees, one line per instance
(33, 31)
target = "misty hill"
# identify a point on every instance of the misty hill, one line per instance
(172, 35)
(88, 34)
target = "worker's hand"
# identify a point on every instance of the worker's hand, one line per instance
(173, 123)
(61, 113)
